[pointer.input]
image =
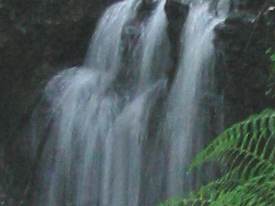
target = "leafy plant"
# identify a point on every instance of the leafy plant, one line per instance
(246, 151)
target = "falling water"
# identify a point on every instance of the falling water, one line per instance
(99, 118)
(184, 122)
(99, 112)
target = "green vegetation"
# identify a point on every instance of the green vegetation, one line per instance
(246, 151)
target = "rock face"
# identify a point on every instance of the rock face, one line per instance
(242, 63)
(176, 14)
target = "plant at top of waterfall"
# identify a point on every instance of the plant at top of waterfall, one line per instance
(247, 152)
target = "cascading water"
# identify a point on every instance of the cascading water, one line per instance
(99, 132)
(184, 123)
(99, 112)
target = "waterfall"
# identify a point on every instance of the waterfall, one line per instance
(102, 148)
(184, 122)
(99, 112)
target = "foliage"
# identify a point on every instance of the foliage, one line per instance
(247, 152)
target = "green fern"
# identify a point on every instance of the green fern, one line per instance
(247, 152)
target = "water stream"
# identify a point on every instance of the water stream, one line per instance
(193, 81)
(102, 149)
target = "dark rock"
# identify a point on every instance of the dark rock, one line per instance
(147, 6)
(176, 14)
(248, 5)
(242, 64)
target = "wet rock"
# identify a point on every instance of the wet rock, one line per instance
(147, 6)
(176, 14)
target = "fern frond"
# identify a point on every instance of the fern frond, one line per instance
(229, 190)
(249, 141)
(247, 151)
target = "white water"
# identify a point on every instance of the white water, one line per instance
(183, 119)
(100, 112)
(98, 151)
